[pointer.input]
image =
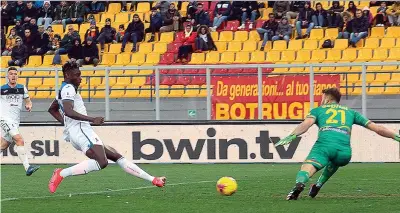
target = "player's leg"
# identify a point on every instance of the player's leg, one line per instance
(132, 168)
(4, 144)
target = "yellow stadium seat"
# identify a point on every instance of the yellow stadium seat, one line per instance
(268, 46)
(184, 6)
(227, 58)
(221, 46)
(254, 36)
(212, 58)
(137, 59)
(279, 45)
(4, 61)
(123, 81)
(160, 48)
(47, 60)
(191, 91)
(114, 8)
(146, 92)
(382, 77)
(380, 54)
(42, 73)
(197, 58)
(295, 45)
(132, 92)
(226, 36)
(58, 29)
(112, 81)
(371, 43)
(152, 59)
(117, 93)
(331, 33)
(334, 55)
(234, 46)
(364, 55)
(317, 34)
(145, 47)
(349, 54)
(177, 91)
(388, 42)
(326, 69)
(353, 78)
(143, 7)
(389, 67)
(115, 48)
(257, 57)
(51, 82)
(241, 36)
(167, 37)
(123, 59)
(242, 57)
(35, 82)
(147, 19)
(107, 59)
(310, 45)
(392, 88)
(34, 61)
(96, 81)
(121, 18)
(287, 56)
(318, 55)
(99, 94)
(249, 46)
(26, 73)
(376, 88)
(341, 44)
(370, 77)
(273, 56)
(83, 28)
(42, 94)
(214, 36)
(164, 91)
(377, 32)
(394, 54)
(303, 56)
(22, 81)
(393, 32)
(395, 77)
(148, 36)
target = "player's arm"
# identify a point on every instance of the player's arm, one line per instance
(383, 131)
(304, 126)
(53, 110)
(27, 100)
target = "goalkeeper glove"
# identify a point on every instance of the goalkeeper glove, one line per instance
(286, 140)
(397, 138)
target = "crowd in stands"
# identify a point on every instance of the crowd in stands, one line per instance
(32, 25)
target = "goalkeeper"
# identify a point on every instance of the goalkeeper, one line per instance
(332, 149)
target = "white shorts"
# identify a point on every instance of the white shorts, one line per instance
(8, 130)
(82, 137)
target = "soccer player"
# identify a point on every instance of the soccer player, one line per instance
(69, 109)
(12, 96)
(332, 149)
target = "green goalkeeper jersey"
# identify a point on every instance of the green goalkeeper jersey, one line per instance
(335, 122)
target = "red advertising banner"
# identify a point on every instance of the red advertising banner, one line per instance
(284, 97)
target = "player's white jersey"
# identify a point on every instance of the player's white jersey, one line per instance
(69, 92)
(11, 102)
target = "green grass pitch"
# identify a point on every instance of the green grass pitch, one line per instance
(261, 188)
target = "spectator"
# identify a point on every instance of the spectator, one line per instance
(163, 6)
(267, 31)
(65, 44)
(381, 15)
(188, 45)
(18, 11)
(236, 11)
(93, 31)
(50, 32)
(30, 12)
(106, 35)
(76, 14)
(201, 17)
(31, 25)
(346, 26)
(281, 8)
(61, 13)
(319, 16)
(284, 31)
(333, 15)
(41, 46)
(352, 8)
(221, 13)
(191, 9)
(46, 14)
(250, 10)
(304, 20)
(171, 20)
(97, 7)
(3, 41)
(90, 53)
(29, 40)
(55, 45)
(360, 28)
(76, 51)
(134, 33)
(204, 41)
(10, 42)
(19, 53)
(6, 14)
(120, 34)
(19, 30)
(368, 15)
(295, 8)
(155, 23)
(393, 13)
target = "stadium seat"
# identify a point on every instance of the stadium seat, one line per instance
(212, 58)
(177, 91)
(364, 55)
(42, 73)
(42, 94)
(310, 45)
(318, 55)
(132, 92)
(35, 82)
(267, 47)
(232, 25)
(394, 54)
(121, 18)
(173, 47)
(334, 55)
(249, 46)
(108, 59)
(254, 36)
(380, 54)
(160, 48)
(4, 61)
(167, 37)
(114, 8)
(242, 57)
(376, 88)
(105, 16)
(167, 58)
(197, 58)
(58, 29)
(121, 81)
(117, 93)
(388, 42)
(257, 57)
(115, 48)
(331, 33)
(191, 91)
(34, 61)
(225, 36)
(82, 29)
(383, 77)
(198, 80)
(145, 47)
(287, 56)
(295, 45)
(317, 34)
(146, 92)
(143, 7)
(234, 46)
(273, 56)
(183, 80)
(221, 46)
(341, 44)
(371, 43)
(123, 59)
(215, 36)
(148, 36)
(302, 55)
(392, 88)
(349, 54)
(377, 32)
(279, 45)
(393, 32)
(138, 81)
(152, 59)
(137, 59)
(179, 37)
(241, 36)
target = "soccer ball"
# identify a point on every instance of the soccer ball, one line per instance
(226, 186)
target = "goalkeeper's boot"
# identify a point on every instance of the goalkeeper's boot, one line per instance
(55, 180)
(314, 189)
(31, 170)
(294, 194)
(159, 181)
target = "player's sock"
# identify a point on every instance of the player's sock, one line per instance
(302, 177)
(23, 156)
(81, 168)
(329, 170)
(133, 169)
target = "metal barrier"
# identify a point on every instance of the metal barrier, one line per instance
(208, 74)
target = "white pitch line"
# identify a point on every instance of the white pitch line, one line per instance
(101, 192)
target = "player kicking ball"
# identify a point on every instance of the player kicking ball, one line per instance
(12, 96)
(69, 109)
(332, 149)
